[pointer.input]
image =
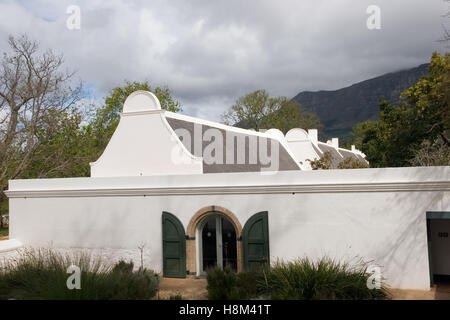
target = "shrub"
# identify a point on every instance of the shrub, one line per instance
(222, 284)
(42, 274)
(300, 279)
(246, 283)
(227, 285)
(325, 279)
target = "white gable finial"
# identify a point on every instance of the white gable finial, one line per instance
(297, 134)
(141, 101)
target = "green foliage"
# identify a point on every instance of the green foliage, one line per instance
(63, 150)
(323, 163)
(126, 284)
(42, 274)
(227, 285)
(222, 284)
(246, 284)
(258, 111)
(352, 163)
(123, 267)
(4, 232)
(398, 136)
(324, 279)
(300, 279)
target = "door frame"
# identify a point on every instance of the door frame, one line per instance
(192, 237)
(433, 215)
(219, 246)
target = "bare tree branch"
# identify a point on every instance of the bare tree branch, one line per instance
(33, 91)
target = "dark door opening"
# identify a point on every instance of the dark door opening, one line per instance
(219, 245)
(438, 232)
(209, 244)
(229, 249)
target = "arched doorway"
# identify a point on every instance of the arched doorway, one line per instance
(229, 227)
(217, 244)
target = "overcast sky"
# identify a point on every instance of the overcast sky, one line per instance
(212, 52)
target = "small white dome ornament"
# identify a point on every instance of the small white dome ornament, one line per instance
(140, 101)
(276, 133)
(297, 134)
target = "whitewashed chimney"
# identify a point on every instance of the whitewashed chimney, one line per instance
(312, 133)
(335, 142)
(353, 148)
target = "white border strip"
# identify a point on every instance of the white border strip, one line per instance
(250, 189)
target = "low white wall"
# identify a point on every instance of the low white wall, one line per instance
(375, 214)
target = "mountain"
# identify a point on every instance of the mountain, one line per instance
(340, 110)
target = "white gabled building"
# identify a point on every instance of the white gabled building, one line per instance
(197, 193)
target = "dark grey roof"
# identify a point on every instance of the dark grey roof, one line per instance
(361, 158)
(336, 158)
(286, 162)
(348, 154)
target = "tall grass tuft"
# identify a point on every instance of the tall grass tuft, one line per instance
(42, 274)
(301, 279)
(324, 279)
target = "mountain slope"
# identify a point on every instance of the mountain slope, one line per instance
(342, 109)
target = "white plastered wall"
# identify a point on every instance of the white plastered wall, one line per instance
(375, 214)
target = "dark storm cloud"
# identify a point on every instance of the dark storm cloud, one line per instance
(211, 52)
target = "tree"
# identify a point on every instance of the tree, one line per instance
(34, 93)
(64, 150)
(424, 115)
(352, 163)
(432, 154)
(258, 111)
(106, 118)
(325, 162)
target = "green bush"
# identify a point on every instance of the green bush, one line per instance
(4, 231)
(246, 283)
(301, 279)
(227, 285)
(222, 284)
(324, 279)
(42, 274)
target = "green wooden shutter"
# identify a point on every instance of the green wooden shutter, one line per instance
(174, 247)
(255, 240)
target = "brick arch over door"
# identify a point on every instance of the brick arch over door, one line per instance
(199, 216)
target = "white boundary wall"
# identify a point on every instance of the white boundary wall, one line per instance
(376, 214)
